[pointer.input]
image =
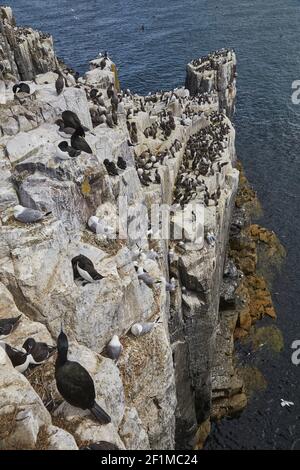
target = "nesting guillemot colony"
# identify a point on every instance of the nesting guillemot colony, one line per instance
(174, 145)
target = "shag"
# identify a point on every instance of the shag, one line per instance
(75, 384)
(78, 142)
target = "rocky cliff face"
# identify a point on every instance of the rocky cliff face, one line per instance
(160, 393)
(24, 53)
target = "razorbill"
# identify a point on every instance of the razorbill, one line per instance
(39, 352)
(19, 359)
(83, 268)
(8, 325)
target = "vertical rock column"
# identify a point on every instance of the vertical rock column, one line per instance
(24, 52)
(215, 73)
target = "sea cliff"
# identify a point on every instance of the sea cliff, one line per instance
(168, 384)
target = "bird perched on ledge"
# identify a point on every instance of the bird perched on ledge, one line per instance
(114, 348)
(71, 120)
(79, 143)
(8, 325)
(21, 88)
(27, 215)
(83, 268)
(60, 83)
(19, 359)
(64, 151)
(39, 352)
(75, 384)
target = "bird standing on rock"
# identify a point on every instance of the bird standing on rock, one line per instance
(8, 325)
(19, 359)
(75, 384)
(39, 352)
(140, 329)
(60, 83)
(64, 151)
(21, 88)
(78, 142)
(71, 119)
(83, 268)
(114, 348)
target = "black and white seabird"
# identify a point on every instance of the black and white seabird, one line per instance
(8, 325)
(121, 163)
(83, 268)
(39, 352)
(29, 216)
(75, 384)
(63, 130)
(71, 119)
(110, 167)
(64, 150)
(21, 88)
(19, 359)
(60, 83)
(78, 142)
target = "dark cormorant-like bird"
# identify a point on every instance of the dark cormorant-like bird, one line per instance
(7, 326)
(75, 384)
(71, 119)
(78, 142)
